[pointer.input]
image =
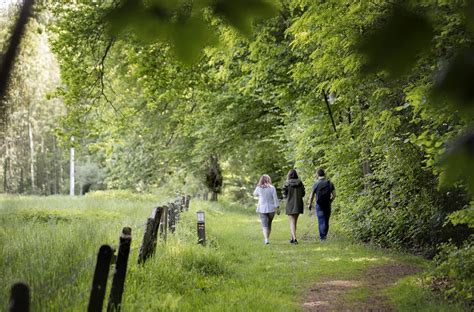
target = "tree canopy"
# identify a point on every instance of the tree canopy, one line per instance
(376, 92)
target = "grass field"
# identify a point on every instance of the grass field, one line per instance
(51, 243)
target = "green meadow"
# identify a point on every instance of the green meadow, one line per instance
(51, 244)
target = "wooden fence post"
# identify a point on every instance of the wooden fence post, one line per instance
(99, 283)
(172, 217)
(164, 223)
(150, 236)
(118, 281)
(156, 214)
(20, 298)
(146, 241)
(186, 202)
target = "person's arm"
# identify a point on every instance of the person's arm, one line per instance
(284, 190)
(275, 198)
(311, 198)
(255, 193)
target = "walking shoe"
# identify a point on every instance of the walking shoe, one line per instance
(295, 242)
(292, 241)
(267, 242)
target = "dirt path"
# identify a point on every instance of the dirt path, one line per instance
(331, 295)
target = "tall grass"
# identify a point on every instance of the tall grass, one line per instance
(51, 244)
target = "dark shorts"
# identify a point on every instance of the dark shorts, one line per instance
(266, 219)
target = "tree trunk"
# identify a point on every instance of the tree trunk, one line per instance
(56, 167)
(71, 170)
(330, 112)
(43, 175)
(367, 171)
(32, 155)
(214, 196)
(5, 174)
(21, 187)
(61, 179)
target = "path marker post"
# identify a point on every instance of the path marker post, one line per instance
(201, 227)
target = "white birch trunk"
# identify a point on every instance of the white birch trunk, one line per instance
(32, 156)
(71, 170)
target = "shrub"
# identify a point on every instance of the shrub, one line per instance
(454, 272)
(453, 275)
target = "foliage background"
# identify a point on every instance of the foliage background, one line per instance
(314, 85)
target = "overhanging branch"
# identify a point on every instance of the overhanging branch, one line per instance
(9, 56)
(330, 112)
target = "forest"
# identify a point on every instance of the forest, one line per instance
(206, 96)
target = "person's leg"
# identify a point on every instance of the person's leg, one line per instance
(292, 227)
(322, 225)
(265, 234)
(327, 216)
(264, 220)
(270, 220)
(296, 223)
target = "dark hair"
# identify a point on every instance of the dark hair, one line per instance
(320, 173)
(292, 174)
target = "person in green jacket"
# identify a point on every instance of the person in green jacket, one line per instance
(293, 191)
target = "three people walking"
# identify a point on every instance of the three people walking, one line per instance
(323, 191)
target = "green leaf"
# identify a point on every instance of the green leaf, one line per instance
(396, 41)
(455, 82)
(189, 38)
(240, 13)
(459, 160)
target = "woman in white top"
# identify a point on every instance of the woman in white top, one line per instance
(267, 204)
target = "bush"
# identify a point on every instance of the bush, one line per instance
(454, 272)
(453, 275)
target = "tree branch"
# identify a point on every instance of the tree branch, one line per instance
(330, 112)
(102, 74)
(9, 57)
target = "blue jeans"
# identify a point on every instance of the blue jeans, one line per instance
(323, 215)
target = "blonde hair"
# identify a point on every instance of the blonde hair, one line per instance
(264, 181)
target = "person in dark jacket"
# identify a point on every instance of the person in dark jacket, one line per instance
(324, 192)
(293, 191)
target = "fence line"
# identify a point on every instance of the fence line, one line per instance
(162, 219)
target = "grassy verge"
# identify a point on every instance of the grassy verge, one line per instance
(234, 272)
(51, 243)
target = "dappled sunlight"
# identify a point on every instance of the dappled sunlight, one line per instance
(369, 259)
(315, 304)
(343, 283)
(319, 249)
(333, 259)
(214, 212)
(250, 221)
